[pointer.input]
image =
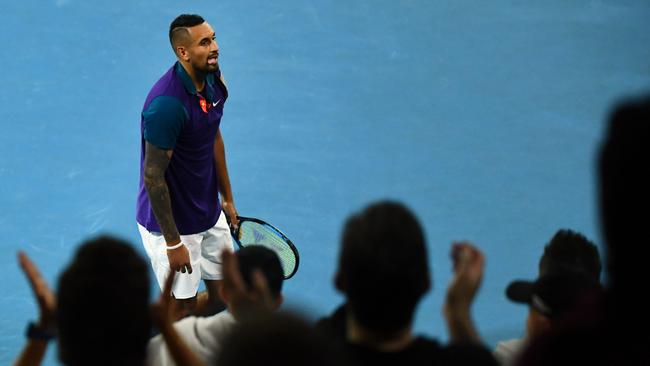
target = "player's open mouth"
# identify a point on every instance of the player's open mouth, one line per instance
(212, 60)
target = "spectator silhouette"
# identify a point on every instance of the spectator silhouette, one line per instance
(279, 338)
(614, 330)
(101, 310)
(383, 273)
(571, 251)
(569, 268)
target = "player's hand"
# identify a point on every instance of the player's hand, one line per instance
(469, 263)
(44, 296)
(231, 213)
(179, 259)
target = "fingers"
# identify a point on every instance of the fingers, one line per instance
(259, 282)
(234, 221)
(232, 277)
(179, 260)
(469, 264)
(33, 275)
(167, 288)
(459, 255)
(247, 300)
(177, 267)
(231, 215)
(183, 268)
(44, 296)
(464, 254)
(234, 280)
(160, 310)
(28, 267)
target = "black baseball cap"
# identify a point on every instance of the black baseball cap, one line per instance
(553, 294)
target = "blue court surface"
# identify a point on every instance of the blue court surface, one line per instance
(483, 117)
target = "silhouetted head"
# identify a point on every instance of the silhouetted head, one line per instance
(103, 305)
(383, 266)
(257, 257)
(624, 188)
(571, 251)
(254, 257)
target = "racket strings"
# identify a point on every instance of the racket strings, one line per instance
(252, 233)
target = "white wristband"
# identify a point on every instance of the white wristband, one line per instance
(175, 246)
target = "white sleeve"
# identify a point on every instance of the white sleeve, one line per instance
(202, 334)
(507, 352)
(209, 333)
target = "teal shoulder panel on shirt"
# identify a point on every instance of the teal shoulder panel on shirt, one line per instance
(163, 121)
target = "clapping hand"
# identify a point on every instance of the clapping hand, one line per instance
(163, 310)
(469, 263)
(245, 300)
(44, 296)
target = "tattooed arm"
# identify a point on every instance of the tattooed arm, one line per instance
(156, 161)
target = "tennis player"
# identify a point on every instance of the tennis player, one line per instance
(183, 169)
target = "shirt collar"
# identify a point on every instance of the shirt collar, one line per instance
(189, 85)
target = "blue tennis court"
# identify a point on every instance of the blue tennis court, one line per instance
(483, 117)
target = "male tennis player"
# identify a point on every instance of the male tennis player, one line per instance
(183, 169)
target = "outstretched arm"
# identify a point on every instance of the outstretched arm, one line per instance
(163, 317)
(156, 161)
(469, 263)
(34, 351)
(32, 354)
(227, 200)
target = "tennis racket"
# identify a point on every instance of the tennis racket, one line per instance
(252, 231)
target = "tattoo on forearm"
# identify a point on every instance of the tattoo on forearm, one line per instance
(155, 163)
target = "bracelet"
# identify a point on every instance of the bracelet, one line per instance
(175, 246)
(33, 332)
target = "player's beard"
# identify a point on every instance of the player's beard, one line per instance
(204, 67)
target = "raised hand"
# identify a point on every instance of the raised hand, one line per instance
(245, 300)
(44, 296)
(468, 263)
(163, 317)
(163, 310)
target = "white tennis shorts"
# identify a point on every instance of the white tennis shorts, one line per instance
(205, 256)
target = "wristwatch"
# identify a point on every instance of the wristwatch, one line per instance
(34, 332)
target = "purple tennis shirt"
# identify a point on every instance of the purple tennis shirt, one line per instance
(177, 117)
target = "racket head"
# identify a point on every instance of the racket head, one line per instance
(252, 231)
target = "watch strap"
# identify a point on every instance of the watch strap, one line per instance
(33, 331)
